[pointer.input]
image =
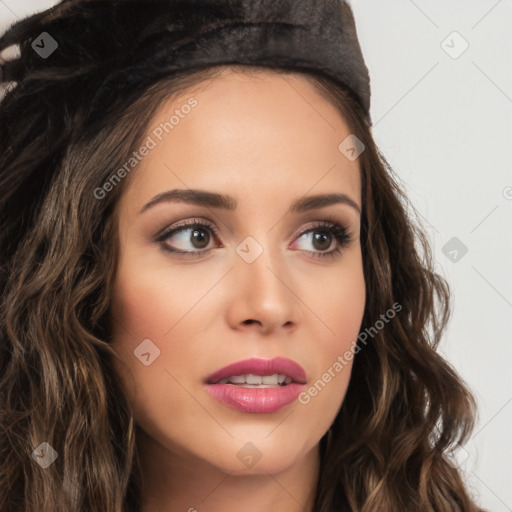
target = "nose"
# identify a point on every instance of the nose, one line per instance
(263, 297)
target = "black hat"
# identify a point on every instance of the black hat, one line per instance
(132, 42)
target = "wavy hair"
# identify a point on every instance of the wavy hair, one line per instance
(405, 409)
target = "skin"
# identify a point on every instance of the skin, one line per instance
(266, 140)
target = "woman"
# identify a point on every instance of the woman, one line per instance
(212, 291)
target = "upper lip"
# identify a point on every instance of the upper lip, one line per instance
(254, 366)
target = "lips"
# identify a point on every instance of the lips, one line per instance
(261, 367)
(257, 386)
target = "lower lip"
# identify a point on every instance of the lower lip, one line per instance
(256, 400)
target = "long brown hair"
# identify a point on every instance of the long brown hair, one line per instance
(405, 408)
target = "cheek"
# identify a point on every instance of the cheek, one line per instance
(340, 305)
(149, 301)
(339, 302)
(156, 302)
(146, 305)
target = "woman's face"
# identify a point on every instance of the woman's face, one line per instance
(265, 274)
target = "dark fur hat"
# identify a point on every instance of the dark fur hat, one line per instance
(123, 44)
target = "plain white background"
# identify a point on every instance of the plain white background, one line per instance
(442, 111)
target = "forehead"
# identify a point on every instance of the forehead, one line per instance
(248, 128)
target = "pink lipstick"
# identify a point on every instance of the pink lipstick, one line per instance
(257, 385)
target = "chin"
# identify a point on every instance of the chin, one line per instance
(245, 457)
(268, 464)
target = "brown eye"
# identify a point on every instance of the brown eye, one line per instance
(192, 237)
(199, 238)
(324, 236)
(322, 240)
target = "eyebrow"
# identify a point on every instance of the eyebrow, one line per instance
(225, 202)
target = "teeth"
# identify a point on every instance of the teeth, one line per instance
(251, 380)
(239, 379)
(254, 379)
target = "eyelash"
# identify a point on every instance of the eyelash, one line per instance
(339, 232)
